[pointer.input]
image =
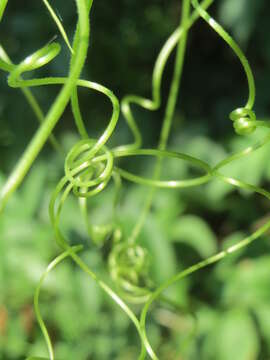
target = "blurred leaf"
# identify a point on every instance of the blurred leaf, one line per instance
(194, 231)
(16, 336)
(241, 16)
(225, 268)
(263, 317)
(202, 147)
(248, 284)
(32, 189)
(233, 337)
(163, 260)
(167, 206)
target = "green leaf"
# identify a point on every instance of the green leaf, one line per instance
(233, 337)
(263, 317)
(241, 15)
(248, 284)
(164, 262)
(225, 268)
(194, 231)
(16, 336)
(33, 188)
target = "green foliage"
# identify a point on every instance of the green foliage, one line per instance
(67, 294)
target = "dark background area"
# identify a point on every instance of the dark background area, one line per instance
(125, 41)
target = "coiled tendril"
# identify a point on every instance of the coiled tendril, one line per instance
(85, 168)
(129, 266)
(244, 121)
(90, 164)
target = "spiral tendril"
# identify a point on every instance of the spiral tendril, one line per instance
(84, 170)
(244, 121)
(129, 267)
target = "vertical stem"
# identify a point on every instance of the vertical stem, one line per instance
(177, 76)
(169, 112)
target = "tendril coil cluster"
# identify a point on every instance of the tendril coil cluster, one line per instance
(90, 165)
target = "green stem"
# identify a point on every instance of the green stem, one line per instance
(174, 90)
(158, 71)
(3, 5)
(169, 112)
(55, 112)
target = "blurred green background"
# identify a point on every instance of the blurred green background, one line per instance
(231, 300)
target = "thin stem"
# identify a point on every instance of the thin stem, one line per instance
(58, 23)
(158, 71)
(169, 112)
(40, 320)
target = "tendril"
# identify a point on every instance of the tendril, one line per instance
(84, 170)
(157, 76)
(129, 266)
(66, 187)
(40, 320)
(244, 118)
(244, 123)
(58, 23)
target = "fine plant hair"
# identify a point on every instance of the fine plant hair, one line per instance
(90, 164)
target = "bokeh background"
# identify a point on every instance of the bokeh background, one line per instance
(231, 300)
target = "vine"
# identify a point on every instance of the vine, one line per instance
(90, 164)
